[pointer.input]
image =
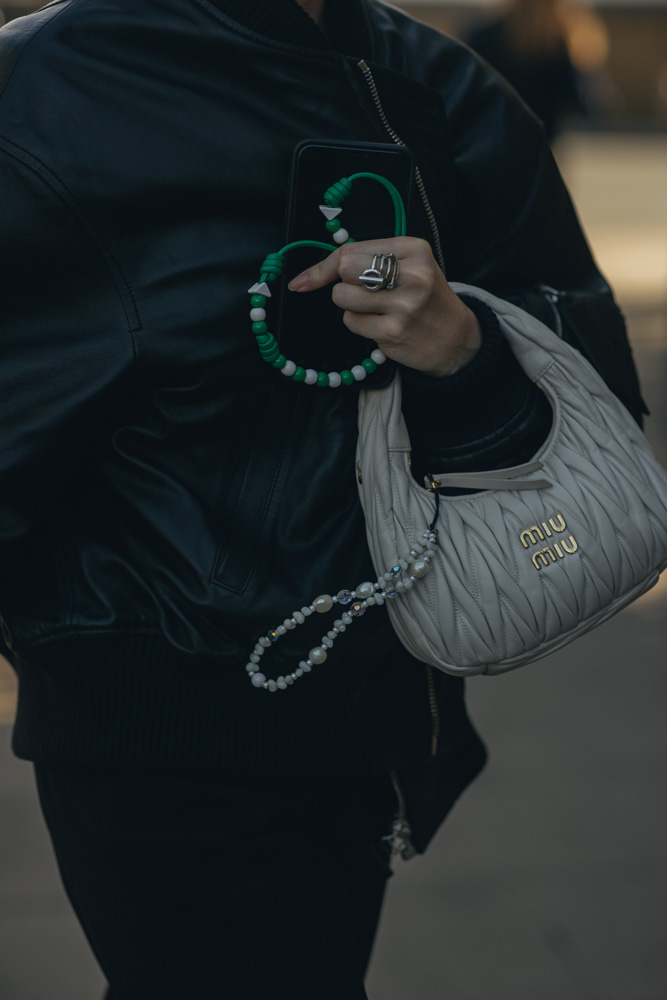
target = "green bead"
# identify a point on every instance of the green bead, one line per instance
(258, 301)
(280, 361)
(368, 365)
(332, 225)
(346, 377)
(322, 379)
(265, 338)
(270, 358)
(299, 375)
(259, 328)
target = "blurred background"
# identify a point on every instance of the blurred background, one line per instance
(549, 880)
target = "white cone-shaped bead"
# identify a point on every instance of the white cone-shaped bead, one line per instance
(260, 289)
(330, 213)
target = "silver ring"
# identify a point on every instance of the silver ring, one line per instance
(383, 273)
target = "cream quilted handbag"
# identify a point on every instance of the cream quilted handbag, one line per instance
(543, 552)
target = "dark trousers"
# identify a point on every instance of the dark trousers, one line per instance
(229, 887)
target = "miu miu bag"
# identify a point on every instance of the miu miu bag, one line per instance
(538, 554)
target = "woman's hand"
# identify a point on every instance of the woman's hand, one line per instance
(421, 323)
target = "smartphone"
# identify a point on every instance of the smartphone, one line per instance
(310, 328)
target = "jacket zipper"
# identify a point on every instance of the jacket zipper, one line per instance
(434, 709)
(553, 297)
(435, 232)
(401, 831)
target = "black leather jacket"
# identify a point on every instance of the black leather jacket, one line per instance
(165, 497)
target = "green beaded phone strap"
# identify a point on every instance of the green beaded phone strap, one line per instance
(272, 268)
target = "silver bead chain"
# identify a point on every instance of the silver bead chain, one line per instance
(354, 603)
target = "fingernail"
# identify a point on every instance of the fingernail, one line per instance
(296, 284)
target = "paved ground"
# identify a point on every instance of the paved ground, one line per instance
(549, 881)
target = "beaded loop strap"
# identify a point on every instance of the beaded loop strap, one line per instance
(272, 268)
(414, 565)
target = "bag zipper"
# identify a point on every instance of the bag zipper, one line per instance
(435, 232)
(434, 709)
(401, 831)
(552, 296)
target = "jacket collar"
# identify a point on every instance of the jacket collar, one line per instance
(347, 25)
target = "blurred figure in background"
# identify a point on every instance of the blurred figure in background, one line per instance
(551, 53)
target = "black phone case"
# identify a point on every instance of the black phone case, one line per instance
(310, 328)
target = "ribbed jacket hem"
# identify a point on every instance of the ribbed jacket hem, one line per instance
(135, 700)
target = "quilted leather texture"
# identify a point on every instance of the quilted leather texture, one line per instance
(519, 573)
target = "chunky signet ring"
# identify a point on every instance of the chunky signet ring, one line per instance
(383, 273)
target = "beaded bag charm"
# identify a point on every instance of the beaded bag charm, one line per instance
(413, 565)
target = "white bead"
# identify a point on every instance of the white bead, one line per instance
(318, 654)
(347, 619)
(403, 564)
(370, 601)
(288, 369)
(289, 679)
(342, 236)
(327, 642)
(251, 668)
(378, 357)
(311, 376)
(281, 630)
(419, 568)
(323, 603)
(258, 680)
(359, 372)
(299, 618)
(334, 380)
(379, 599)
(289, 624)
(341, 628)
(273, 686)
(407, 584)
(305, 666)
(338, 623)
(365, 590)
(257, 315)
(306, 612)
(282, 683)
(332, 634)
(298, 672)
(264, 642)
(254, 658)
(399, 585)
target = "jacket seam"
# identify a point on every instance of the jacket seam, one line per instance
(84, 223)
(38, 31)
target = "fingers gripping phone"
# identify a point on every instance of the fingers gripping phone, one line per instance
(310, 327)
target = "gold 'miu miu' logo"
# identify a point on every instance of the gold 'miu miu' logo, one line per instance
(537, 533)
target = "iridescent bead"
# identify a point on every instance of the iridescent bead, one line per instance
(357, 609)
(344, 596)
(419, 568)
(273, 635)
(390, 593)
(395, 570)
(323, 603)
